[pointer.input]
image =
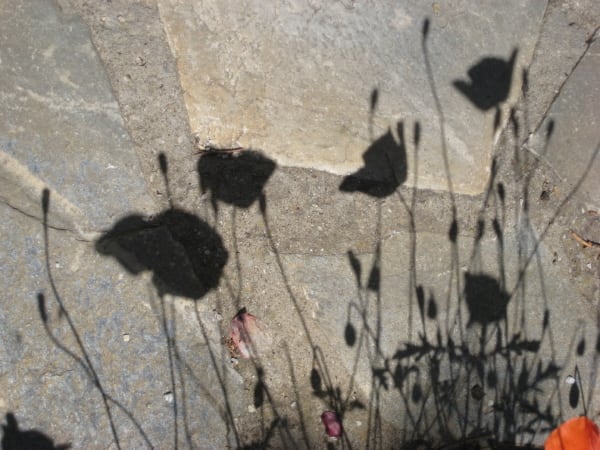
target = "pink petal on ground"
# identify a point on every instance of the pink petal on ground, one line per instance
(333, 425)
(241, 329)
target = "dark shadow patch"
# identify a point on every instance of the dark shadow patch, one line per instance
(477, 392)
(315, 381)
(421, 300)
(259, 390)
(574, 396)
(432, 309)
(374, 279)
(417, 393)
(486, 300)
(385, 167)
(453, 231)
(15, 439)
(489, 82)
(185, 254)
(350, 335)
(356, 267)
(234, 178)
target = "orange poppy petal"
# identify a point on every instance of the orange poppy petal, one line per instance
(579, 433)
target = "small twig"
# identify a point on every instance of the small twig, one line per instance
(209, 149)
(584, 242)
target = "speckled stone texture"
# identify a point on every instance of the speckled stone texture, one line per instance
(418, 316)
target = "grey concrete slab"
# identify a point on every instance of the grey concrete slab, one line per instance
(567, 145)
(561, 42)
(573, 121)
(60, 121)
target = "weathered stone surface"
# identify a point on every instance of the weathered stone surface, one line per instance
(561, 42)
(424, 362)
(572, 123)
(414, 315)
(130, 39)
(112, 325)
(60, 125)
(295, 80)
(567, 144)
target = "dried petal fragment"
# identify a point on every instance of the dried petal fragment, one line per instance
(333, 425)
(579, 433)
(246, 335)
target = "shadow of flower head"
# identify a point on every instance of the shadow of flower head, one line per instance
(384, 169)
(489, 83)
(486, 300)
(185, 254)
(234, 178)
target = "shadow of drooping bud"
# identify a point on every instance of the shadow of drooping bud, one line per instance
(185, 254)
(385, 167)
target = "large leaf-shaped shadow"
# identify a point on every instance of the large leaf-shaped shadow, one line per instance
(384, 169)
(185, 254)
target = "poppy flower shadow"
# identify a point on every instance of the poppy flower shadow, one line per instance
(185, 254)
(384, 169)
(486, 300)
(489, 82)
(234, 178)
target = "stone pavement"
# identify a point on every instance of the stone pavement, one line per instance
(410, 211)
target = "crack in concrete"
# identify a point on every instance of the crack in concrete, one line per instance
(588, 43)
(77, 235)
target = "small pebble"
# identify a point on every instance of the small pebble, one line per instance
(168, 396)
(570, 379)
(251, 409)
(126, 337)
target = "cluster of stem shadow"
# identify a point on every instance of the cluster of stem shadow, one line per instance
(479, 379)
